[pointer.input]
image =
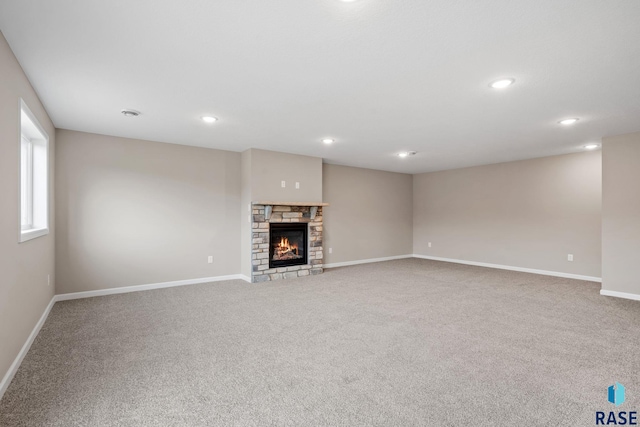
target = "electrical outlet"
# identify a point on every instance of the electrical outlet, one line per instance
(297, 185)
(429, 244)
(330, 250)
(283, 183)
(570, 257)
(210, 259)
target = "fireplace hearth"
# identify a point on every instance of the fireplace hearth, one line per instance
(288, 244)
(286, 240)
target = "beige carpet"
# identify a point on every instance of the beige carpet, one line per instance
(400, 343)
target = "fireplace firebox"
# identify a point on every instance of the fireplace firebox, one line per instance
(288, 244)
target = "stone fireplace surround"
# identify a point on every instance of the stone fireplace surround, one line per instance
(265, 213)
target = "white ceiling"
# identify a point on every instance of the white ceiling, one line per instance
(379, 76)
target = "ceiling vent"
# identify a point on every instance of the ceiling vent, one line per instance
(130, 113)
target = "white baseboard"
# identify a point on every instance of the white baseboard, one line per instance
(507, 267)
(366, 261)
(245, 278)
(4, 384)
(617, 294)
(137, 288)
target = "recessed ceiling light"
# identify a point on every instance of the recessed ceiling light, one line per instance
(328, 140)
(406, 154)
(130, 113)
(209, 119)
(567, 122)
(502, 83)
(591, 146)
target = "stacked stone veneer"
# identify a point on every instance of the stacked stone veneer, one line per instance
(260, 271)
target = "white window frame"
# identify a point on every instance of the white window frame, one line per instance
(34, 176)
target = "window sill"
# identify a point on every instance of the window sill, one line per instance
(32, 234)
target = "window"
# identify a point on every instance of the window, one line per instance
(34, 187)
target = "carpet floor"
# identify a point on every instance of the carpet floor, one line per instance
(401, 343)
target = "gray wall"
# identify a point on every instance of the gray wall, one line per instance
(24, 292)
(621, 214)
(245, 215)
(369, 216)
(133, 212)
(269, 168)
(530, 213)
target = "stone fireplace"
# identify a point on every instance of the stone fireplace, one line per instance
(286, 240)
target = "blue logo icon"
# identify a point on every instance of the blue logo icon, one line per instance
(616, 394)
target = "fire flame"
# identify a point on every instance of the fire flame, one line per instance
(284, 246)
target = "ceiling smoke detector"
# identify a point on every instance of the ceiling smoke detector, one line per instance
(406, 154)
(130, 113)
